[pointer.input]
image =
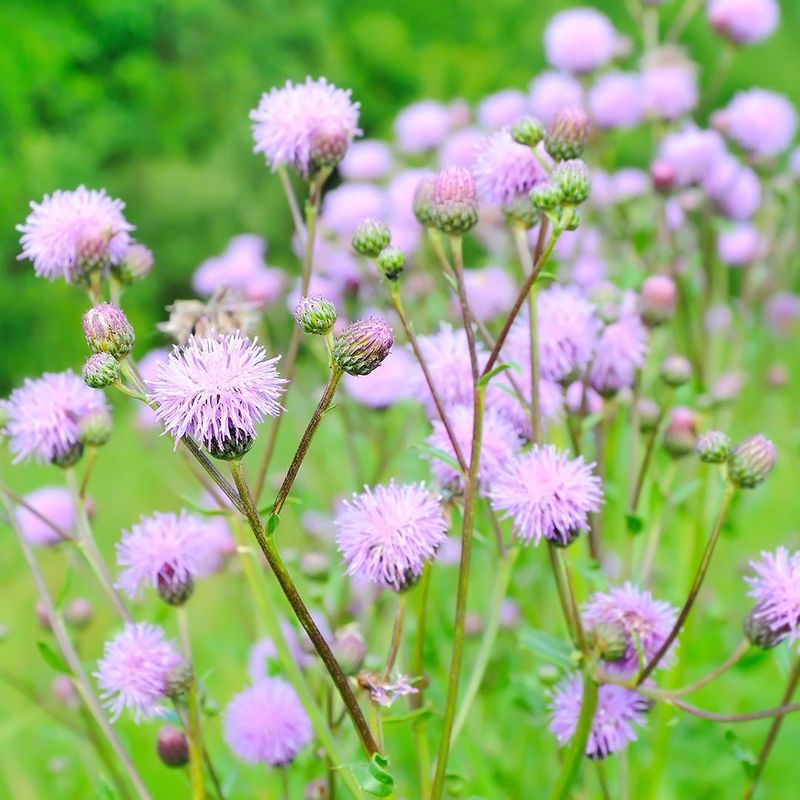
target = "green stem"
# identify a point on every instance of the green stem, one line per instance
(563, 591)
(193, 732)
(397, 633)
(421, 746)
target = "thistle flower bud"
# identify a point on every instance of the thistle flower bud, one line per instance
(178, 681)
(42, 617)
(362, 346)
(548, 674)
(316, 790)
(423, 201)
(172, 747)
(609, 640)
(649, 414)
(350, 648)
(79, 613)
(236, 445)
(751, 461)
(658, 299)
(573, 221)
(663, 175)
(371, 236)
(681, 434)
(572, 178)
(454, 201)
(566, 136)
(777, 376)
(92, 256)
(100, 370)
(94, 430)
(520, 211)
(69, 457)
(135, 264)
(173, 589)
(713, 447)
(315, 315)
(64, 691)
(329, 145)
(760, 633)
(107, 330)
(391, 262)
(528, 131)
(675, 371)
(546, 196)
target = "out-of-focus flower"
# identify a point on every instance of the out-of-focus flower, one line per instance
(422, 126)
(761, 122)
(505, 171)
(367, 160)
(490, 292)
(616, 100)
(550, 92)
(55, 504)
(733, 187)
(741, 245)
(751, 461)
(264, 651)
(744, 21)
(387, 534)
(502, 109)
(691, 152)
(781, 312)
(344, 207)
(619, 352)
(669, 89)
(580, 40)
(266, 724)
(385, 386)
(776, 590)
(461, 148)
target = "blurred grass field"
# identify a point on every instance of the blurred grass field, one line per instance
(150, 100)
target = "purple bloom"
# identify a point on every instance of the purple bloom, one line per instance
(620, 351)
(744, 21)
(645, 621)
(44, 415)
(502, 398)
(615, 100)
(69, 227)
(619, 710)
(576, 400)
(761, 122)
(690, 153)
(55, 504)
(264, 651)
(499, 442)
(781, 313)
(740, 245)
(505, 170)
(734, 188)
(776, 590)
(550, 92)
(385, 692)
(387, 534)
(292, 123)
(502, 109)
(670, 89)
(580, 40)
(216, 390)
(422, 126)
(135, 670)
(386, 385)
(461, 148)
(267, 724)
(367, 160)
(547, 494)
(347, 206)
(490, 292)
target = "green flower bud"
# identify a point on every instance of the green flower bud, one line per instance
(371, 236)
(713, 447)
(362, 346)
(609, 640)
(135, 264)
(572, 178)
(94, 430)
(454, 201)
(566, 137)
(315, 315)
(521, 212)
(751, 461)
(100, 369)
(546, 196)
(675, 371)
(391, 262)
(423, 201)
(528, 131)
(107, 330)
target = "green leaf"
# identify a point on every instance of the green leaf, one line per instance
(62, 594)
(53, 659)
(547, 647)
(273, 520)
(742, 753)
(372, 776)
(635, 523)
(442, 456)
(484, 381)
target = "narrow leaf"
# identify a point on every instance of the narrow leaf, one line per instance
(53, 659)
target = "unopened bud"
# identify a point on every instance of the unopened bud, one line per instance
(42, 617)
(371, 236)
(79, 613)
(573, 219)
(174, 589)
(662, 174)
(520, 211)
(609, 640)
(315, 315)
(675, 371)
(107, 330)
(473, 624)
(649, 414)
(572, 178)
(546, 196)
(713, 447)
(681, 434)
(237, 444)
(64, 691)
(172, 747)
(454, 201)
(100, 370)
(751, 461)
(528, 131)
(350, 648)
(548, 674)
(658, 299)
(777, 376)
(329, 144)
(94, 430)
(93, 256)
(69, 457)
(423, 201)
(178, 681)
(362, 346)
(391, 262)
(566, 136)
(135, 264)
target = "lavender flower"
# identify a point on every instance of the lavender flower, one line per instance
(552, 91)
(690, 153)
(620, 351)
(670, 89)
(216, 390)
(615, 101)
(502, 109)
(422, 126)
(55, 504)
(744, 21)
(734, 188)
(305, 126)
(645, 621)
(580, 40)
(135, 670)
(547, 494)
(505, 171)
(619, 712)
(267, 724)
(44, 417)
(385, 386)
(776, 590)
(264, 651)
(70, 233)
(344, 207)
(741, 245)
(761, 122)
(387, 534)
(367, 160)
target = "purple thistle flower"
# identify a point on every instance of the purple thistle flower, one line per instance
(461, 148)
(615, 100)
(500, 441)
(502, 108)
(734, 188)
(55, 504)
(550, 92)
(385, 386)
(490, 291)
(44, 416)
(690, 153)
(388, 533)
(762, 123)
(267, 724)
(619, 712)
(744, 21)
(264, 651)
(547, 494)
(741, 245)
(580, 40)
(776, 590)
(502, 397)
(670, 89)
(367, 160)
(293, 125)
(505, 171)
(781, 313)
(345, 207)
(620, 351)
(422, 126)
(135, 670)
(216, 390)
(645, 621)
(66, 227)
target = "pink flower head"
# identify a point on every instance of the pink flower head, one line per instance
(294, 125)
(390, 383)
(388, 534)
(741, 245)
(502, 109)
(55, 504)
(505, 171)
(550, 92)
(504, 399)
(67, 228)
(580, 40)
(547, 494)
(744, 21)
(216, 390)
(620, 351)
(734, 188)
(367, 160)
(776, 590)
(422, 126)
(264, 651)
(619, 712)
(616, 101)
(347, 206)
(646, 623)
(44, 415)
(782, 312)
(500, 441)
(135, 670)
(267, 724)
(761, 122)
(490, 291)
(461, 148)
(690, 153)
(670, 89)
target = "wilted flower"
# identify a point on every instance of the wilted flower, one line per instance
(385, 691)
(224, 314)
